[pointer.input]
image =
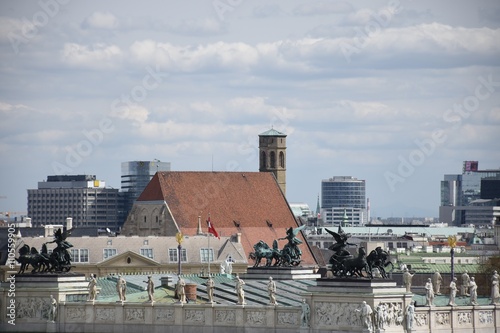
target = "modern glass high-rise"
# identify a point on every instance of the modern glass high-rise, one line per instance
(135, 176)
(340, 196)
(82, 197)
(459, 193)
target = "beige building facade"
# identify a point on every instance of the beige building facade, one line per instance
(104, 255)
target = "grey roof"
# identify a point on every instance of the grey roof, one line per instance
(404, 229)
(272, 132)
(288, 291)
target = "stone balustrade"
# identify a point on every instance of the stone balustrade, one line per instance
(145, 317)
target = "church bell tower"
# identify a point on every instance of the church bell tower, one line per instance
(272, 155)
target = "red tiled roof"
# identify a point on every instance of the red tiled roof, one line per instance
(250, 199)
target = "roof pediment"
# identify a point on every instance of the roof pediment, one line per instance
(128, 258)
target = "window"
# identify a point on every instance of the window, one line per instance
(84, 255)
(147, 253)
(172, 255)
(263, 161)
(282, 159)
(206, 255)
(109, 253)
(80, 255)
(272, 158)
(75, 257)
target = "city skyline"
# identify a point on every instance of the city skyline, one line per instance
(397, 93)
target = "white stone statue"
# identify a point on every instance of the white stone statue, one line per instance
(121, 288)
(473, 291)
(53, 309)
(92, 287)
(306, 312)
(453, 291)
(464, 288)
(239, 290)
(380, 316)
(210, 289)
(180, 290)
(150, 289)
(222, 268)
(429, 293)
(229, 267)
(366, 315)
(437, 280)
(410, 316)
(407, 276)
(495, 294)
(271, 289)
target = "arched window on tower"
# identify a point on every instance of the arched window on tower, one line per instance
(263, 161)
(282, 160)
(272, 161)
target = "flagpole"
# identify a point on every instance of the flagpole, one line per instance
(208, 254)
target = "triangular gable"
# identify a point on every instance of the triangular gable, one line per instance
(227, 249)
(122, 259)
(153, 190)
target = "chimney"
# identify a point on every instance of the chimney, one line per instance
(69, 223)
(49, 230)
(199, 231)
(28, 222)
(238, 237)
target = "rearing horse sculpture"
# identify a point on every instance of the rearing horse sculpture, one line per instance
(355, 266)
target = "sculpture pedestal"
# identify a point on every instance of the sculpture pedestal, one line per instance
(337, 303)
(29, 295)
(280, 273)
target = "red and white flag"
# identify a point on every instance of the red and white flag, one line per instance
(211, 228)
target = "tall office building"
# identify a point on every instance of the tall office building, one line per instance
(82, 197)
(471, 197)
(135, 176)
(343, 201)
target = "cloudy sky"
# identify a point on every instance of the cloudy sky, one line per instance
(398, 93)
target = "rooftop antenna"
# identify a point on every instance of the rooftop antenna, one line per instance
(212, 162)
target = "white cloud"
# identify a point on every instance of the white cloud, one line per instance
(359, 17)
(206, 26)
(9, 107)
(267, 10)
(96, 56)
(437, 38)
(222, 82)
(322, 8)
(312, 56)
(10, 26)
(216, 56)
(101, 20)
(135, 112)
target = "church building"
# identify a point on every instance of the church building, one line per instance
(249, 205)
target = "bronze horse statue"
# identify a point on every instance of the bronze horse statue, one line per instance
(379, 259)
(355, 266)
(263, 251)
(59, 260)
(31, 257)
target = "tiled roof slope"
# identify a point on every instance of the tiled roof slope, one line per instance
(250, 203)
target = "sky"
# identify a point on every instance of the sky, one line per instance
(398, 93)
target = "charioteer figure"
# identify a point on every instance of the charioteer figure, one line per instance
(60, 253)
